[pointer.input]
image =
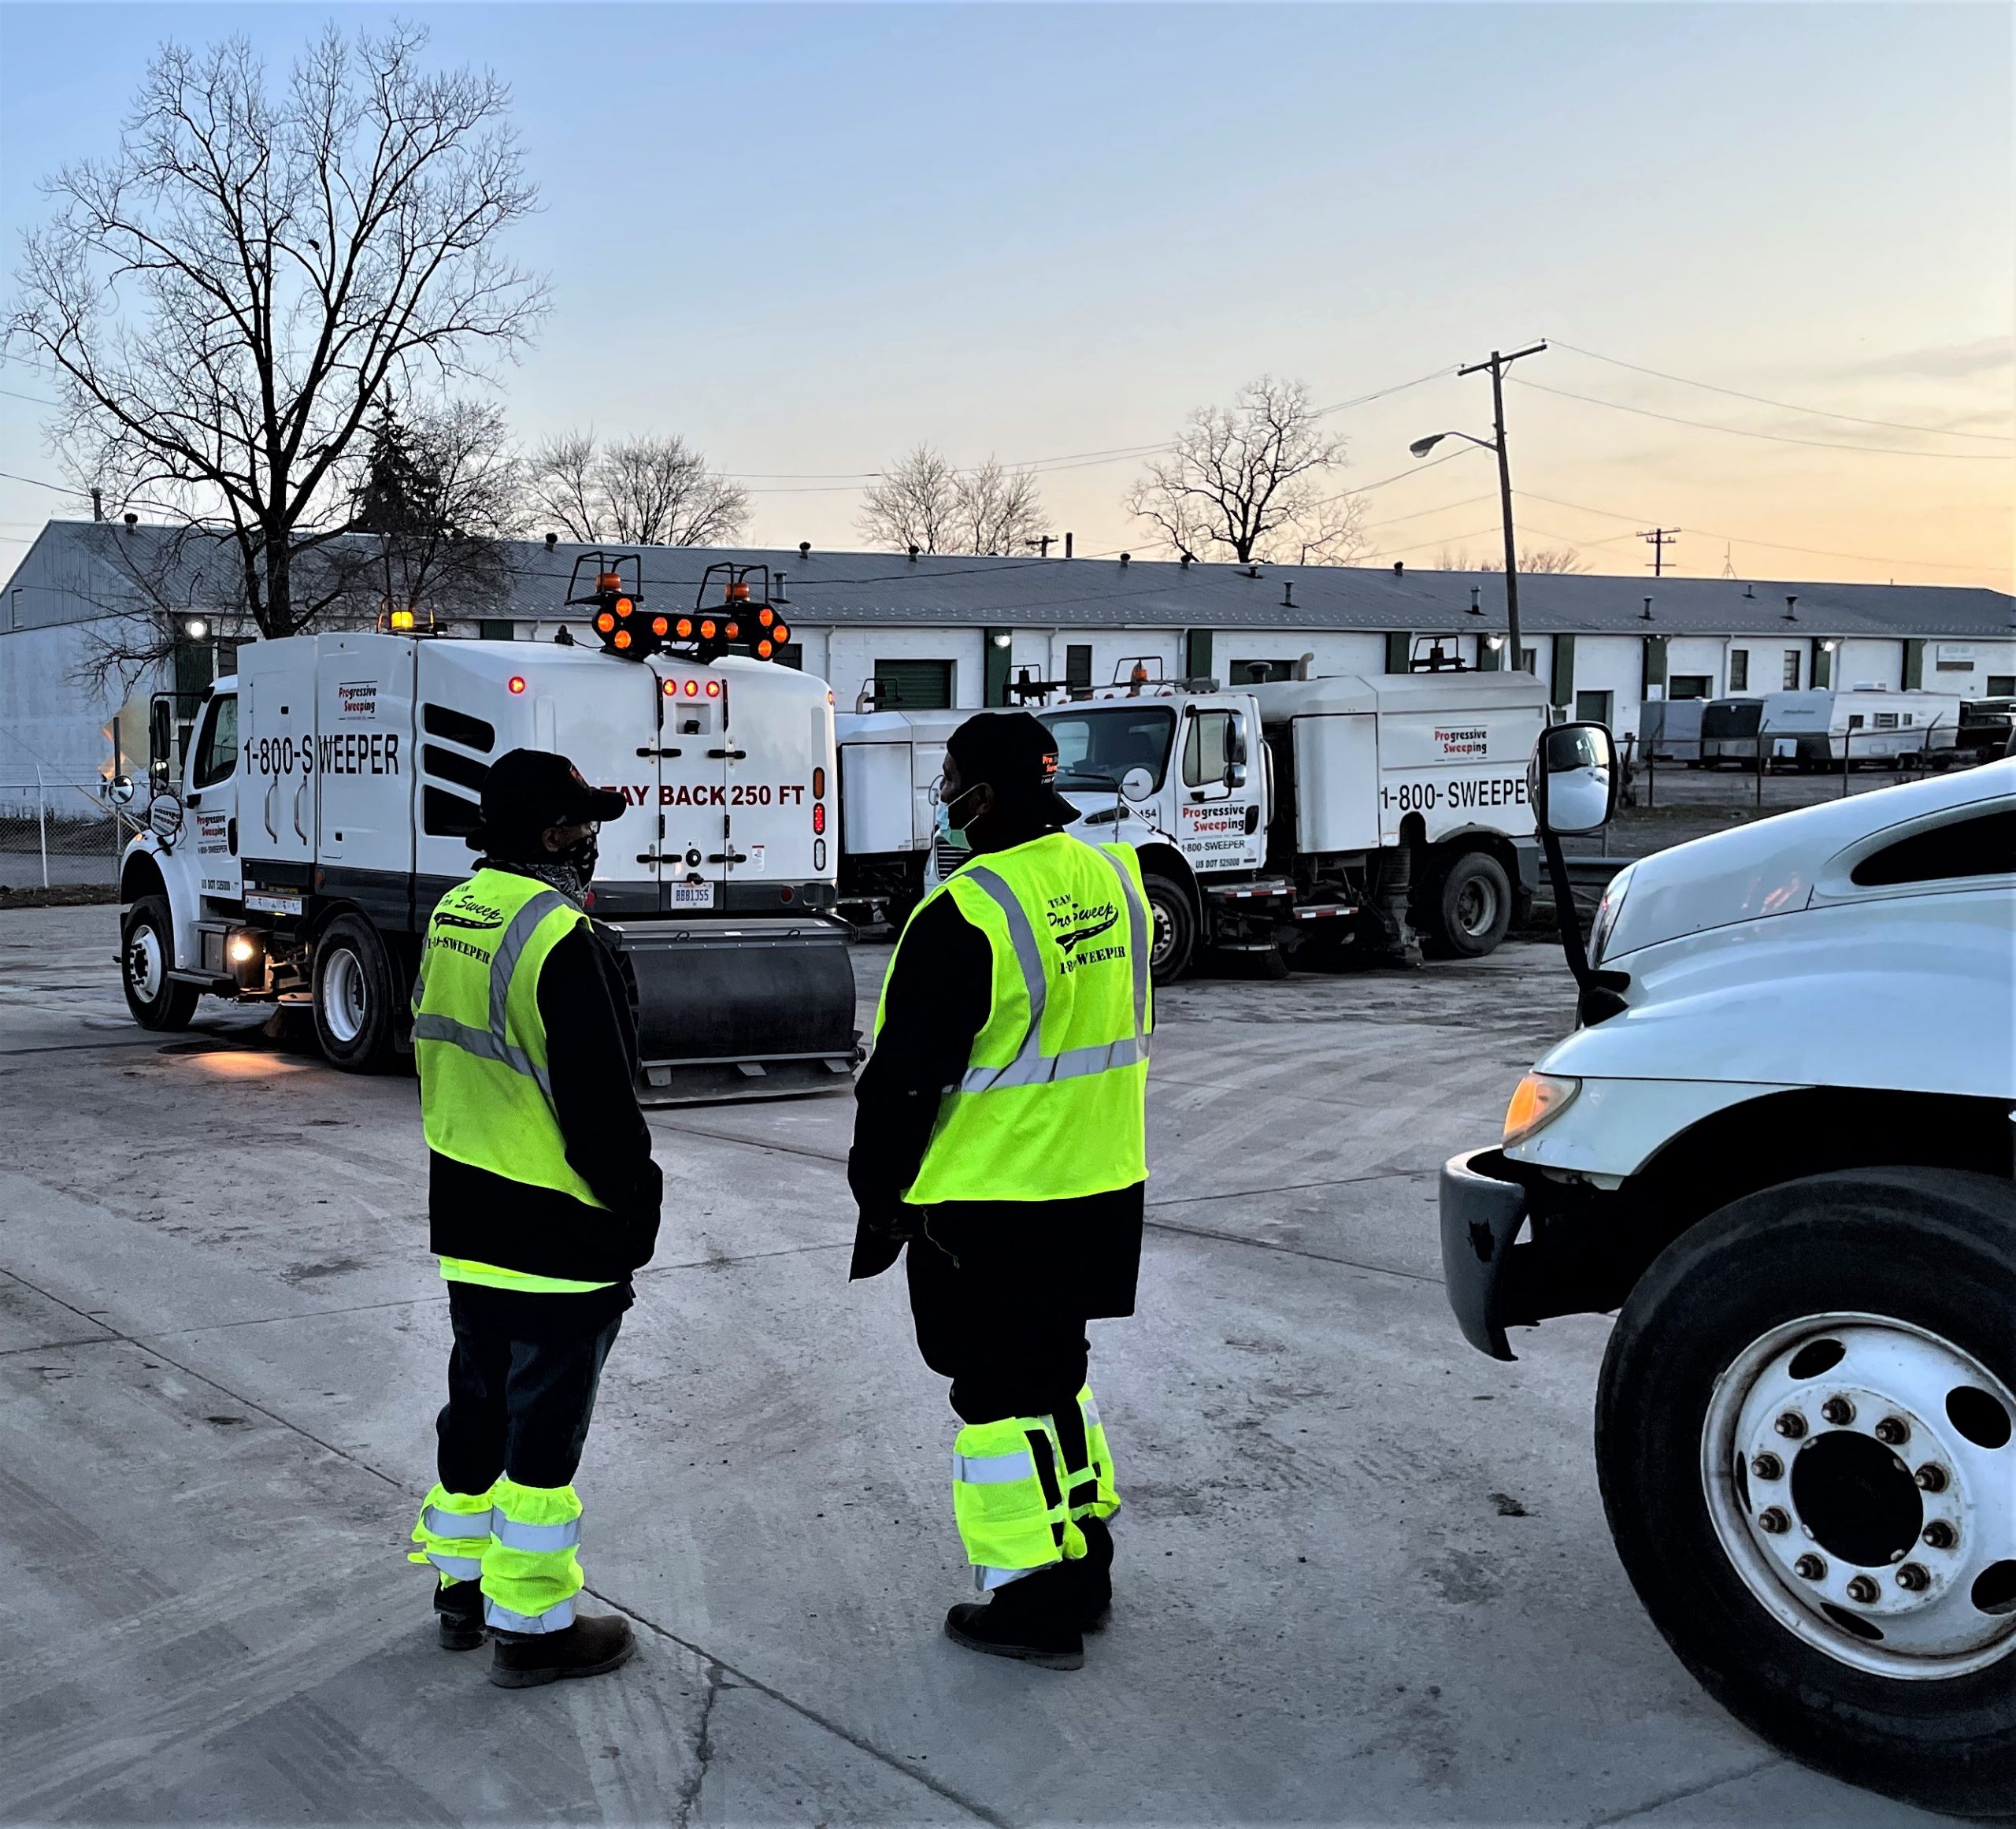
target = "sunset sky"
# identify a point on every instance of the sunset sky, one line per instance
(807, 238)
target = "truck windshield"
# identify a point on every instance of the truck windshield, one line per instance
(1725, 718)
(1096, 747)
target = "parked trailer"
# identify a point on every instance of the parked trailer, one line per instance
(333, 784)
(889, 766)
(1820, 727)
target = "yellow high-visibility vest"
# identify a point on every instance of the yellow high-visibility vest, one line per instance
(1052, 1104)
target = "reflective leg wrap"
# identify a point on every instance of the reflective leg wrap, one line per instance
(530, 1573)
(453, 1532)
(1103, 1499)
(1007, 1501)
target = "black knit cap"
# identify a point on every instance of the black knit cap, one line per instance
(529, 790)
(1015, 754)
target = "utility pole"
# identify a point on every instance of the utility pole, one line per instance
(1659, 538)
(1042, 543)
(1498, 364)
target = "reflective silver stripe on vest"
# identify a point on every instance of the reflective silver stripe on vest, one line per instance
(987, 1578)
(456, 1523)
(557, 1618)
(1031, 1066)
(494, 1044)
(464, 1568)
(1088, 1408)
(992, 1470)
(543, 1538)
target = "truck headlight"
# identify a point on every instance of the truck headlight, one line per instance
(1607, 910)
(1537, 1101)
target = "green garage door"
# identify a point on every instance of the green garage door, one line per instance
(913, 685)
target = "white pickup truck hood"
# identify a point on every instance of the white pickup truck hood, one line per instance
(1775, 866)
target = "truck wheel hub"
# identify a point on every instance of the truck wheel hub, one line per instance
(1887, 1536)
(345, 999)
(143, 963)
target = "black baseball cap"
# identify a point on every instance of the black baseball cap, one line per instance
(528, 790)
(1015, 754)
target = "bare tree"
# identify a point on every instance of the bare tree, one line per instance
(223, 298)
(653, 491)
(1545, 558)
(925, 501)
(916, 503)
(1248, 479)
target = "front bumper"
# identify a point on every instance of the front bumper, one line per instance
(1482, 1213)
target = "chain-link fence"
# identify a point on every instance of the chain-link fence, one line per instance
(60, 834)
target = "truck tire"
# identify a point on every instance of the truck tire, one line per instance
(1804, 1440)
(354, 1000)
(1469, 906)
(1175, 923)
(147, 950)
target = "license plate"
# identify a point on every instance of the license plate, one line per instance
(692, 895)
(264, 902)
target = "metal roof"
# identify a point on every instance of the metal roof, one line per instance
(826, 589)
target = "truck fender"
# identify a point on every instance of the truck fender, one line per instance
(146, 870)
(1164, 860)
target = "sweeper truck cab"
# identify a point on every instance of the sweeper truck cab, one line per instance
(1778, 1145)
(1305, 816)
(331, 785)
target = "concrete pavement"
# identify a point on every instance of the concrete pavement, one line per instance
(1364, 1573)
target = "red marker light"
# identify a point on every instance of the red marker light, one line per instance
(763, 651)
(766, 616)
(781, 633)
(604, 622)
(713, 689)
(672, 689)
(819, 816)
(622, 638)
(692, 689)
(686, 628)
(660, 627)
(623, 606)
(818, 783)
(707, 631)
(517, 682)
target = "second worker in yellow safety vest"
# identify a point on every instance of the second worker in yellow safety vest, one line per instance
(542, 1198)
(1000, 1135)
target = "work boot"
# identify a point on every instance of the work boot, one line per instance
(458, 1609)
(1035, 1619)
(1090, 1578)
(585, 1649)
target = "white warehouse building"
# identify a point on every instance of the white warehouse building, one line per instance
(940, 630)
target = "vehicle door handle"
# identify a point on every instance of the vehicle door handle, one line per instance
(192, 800)
(231, 834)
(729, 754)
(728, 857)
(298, 792)
(650, 754)
(266, 808)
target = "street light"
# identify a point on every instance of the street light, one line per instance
(1421, 447)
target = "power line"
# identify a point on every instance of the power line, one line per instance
(1964, 456)
(1783, 406)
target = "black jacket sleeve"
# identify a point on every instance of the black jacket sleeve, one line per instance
(591, 1056)
(940, 992)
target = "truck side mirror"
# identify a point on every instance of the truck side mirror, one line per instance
(1571, 778)
(161, 737)
(1137, 784)
(1235, 774)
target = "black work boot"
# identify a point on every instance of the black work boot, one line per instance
(1090, 1578)
(585, 1649)
(458, 1609)
(1035, 1619)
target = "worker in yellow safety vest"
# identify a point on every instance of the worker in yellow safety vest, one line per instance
(999, 1135)
(542, 1198)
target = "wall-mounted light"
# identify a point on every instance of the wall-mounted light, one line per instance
(1004, 641)
(1829, 645)
(1493, 641)
(196, 628)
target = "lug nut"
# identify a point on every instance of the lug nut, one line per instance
(1810, 1567)
(1791, 1424)
(1838, 1411)
(1772, 1518)
(1938, 1534)
(1862, 1590)
(1931, 1478)
(1767, 1466)
(1914, 1579)
(1893, 1430)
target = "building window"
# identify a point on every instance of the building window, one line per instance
(1078, 665)
(1690, 686)
(1739, 669)
(913, 685)
(791, 654)
(1594, 707)
(1245, 673)
(1529, 660)
(2002, 686)
(490, 630)
(1791, 669)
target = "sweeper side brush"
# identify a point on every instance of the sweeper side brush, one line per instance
(733, 1009)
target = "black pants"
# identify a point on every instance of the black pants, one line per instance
(521, 1386)
(1008, 1349)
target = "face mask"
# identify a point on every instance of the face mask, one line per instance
(583, 857)
(951, 836)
